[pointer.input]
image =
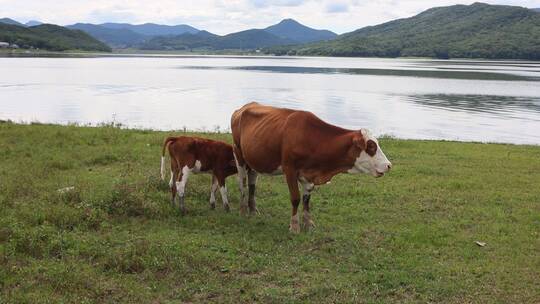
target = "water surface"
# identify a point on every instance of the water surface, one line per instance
(488, 101)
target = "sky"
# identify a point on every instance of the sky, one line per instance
(226, 16)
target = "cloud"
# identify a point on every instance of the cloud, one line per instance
(269, 3)
(114, 13)
(337, 8)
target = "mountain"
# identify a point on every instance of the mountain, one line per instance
(244, 40)
(122, 35)
(536, 9)
(293, 30)
(287, 32)
(187, 41)
(10, 21)
(33, 23)
(118, 38)
(151, 29)
(13, 22)
(251, 39)
(475, 31)
(50, 37)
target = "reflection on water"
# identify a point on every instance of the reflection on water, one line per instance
(492, 63)
(409, 98)
(512, 106)
(451, 73)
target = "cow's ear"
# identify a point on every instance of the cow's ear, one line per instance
(359, 142)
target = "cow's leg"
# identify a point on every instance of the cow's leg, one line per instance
(181, 187)
(174, 176)
(292, 181)
(252, 181)
(223, 191)
(242, 176)
(213, 192)
(307, 187)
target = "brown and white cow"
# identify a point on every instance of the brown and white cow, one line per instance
(301, 146)
(196, 155)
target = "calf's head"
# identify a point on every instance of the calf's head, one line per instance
(369, 157)
(230, 165)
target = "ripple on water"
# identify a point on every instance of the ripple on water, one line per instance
(505, 106)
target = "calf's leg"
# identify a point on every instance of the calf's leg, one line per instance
(173, 187)
(213, 191)
(181, 187)
(174, 177)
(223, 191)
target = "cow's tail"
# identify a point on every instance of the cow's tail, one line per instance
(166, 144)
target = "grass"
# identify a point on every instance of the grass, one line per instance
(407, 237)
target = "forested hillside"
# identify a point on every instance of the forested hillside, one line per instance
(50, 37)
(460, 31)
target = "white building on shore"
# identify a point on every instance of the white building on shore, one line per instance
(6, 45)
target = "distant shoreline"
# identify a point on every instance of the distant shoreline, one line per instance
(20, 53)
(225, 131)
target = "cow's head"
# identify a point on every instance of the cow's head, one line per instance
(369, 158)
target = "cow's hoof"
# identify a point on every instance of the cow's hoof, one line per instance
(213, 205)
(183, 211)
(294, 228)
(252, 207)
(226, 207)
(308, 225)
(243, 209)
(254, 211)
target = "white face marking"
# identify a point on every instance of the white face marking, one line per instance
(376, 165)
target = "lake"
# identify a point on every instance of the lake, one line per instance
(465, 100)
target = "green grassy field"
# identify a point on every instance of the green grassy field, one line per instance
(407, 237)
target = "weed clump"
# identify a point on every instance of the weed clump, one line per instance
(131, 199)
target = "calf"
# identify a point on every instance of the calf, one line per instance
(298, 144)
(195, 155)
